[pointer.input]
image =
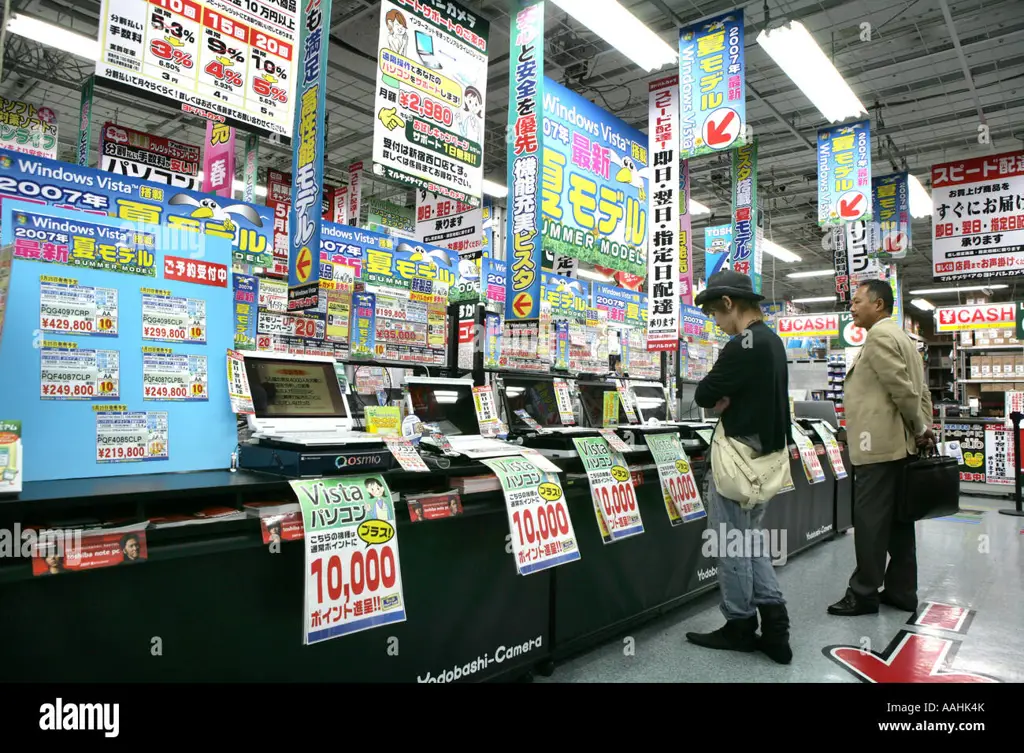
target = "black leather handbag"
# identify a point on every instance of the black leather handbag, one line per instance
(931, 487)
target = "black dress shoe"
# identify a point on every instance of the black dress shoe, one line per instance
(852, 605)
(905, 606)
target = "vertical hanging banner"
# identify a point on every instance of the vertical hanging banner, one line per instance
(663, 281)
(745, 256)
(219, 160)
(844, 174)
(85, 121)
(251, 168)
(355, 193)
(891, 196)
(306, 212)
(28, 129)
(717, 248)
(713, 107)
(685, 243)
(525, 148)
(429, 111)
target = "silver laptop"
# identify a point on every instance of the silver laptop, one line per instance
(449, 404)
(297, 400)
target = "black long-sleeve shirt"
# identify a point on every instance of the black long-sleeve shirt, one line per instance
(751, 371)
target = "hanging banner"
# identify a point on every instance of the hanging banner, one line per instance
(28, 129)
(850, 335)
(685, 237)
(667, 241)
(746, 252)
(713, 85)
(231, 63)
(219, 160)
(353, 574)
(594, 193)
(682, 500)
(449, 224)
(985, 316)
(844, 174)
(538, 516)
(391, 219)
(525, 147)
(611, 488)
(978, 218)
(431, 83)
(306, 213)
(85, 121)
(717, 248)
(840, 261)
(251, 168)
(125, 151)
(891, 196)
(355, 193)
(818, 325)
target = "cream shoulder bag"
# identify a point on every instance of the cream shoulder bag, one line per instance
(743, 478)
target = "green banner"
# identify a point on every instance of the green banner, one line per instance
(85, 121)
(252, 159)
(682, 500)
(611, 488)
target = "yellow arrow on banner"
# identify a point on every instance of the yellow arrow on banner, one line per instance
(389, 117)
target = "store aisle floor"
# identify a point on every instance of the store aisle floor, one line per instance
(974, 561)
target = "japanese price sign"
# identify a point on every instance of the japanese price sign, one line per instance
(224, 61)
(238, 385)
(135, 154)
(717, 244)
(564, 402)
(524, 153)
(171, 319)
(682, 500)
(173, 218)
(353, 574)
(596, 178)
(431, 86)
(835, 455)
(124, 436)
(27, 129)
(195, 270)
(891, 194)
(624, 307)
(538, 516)
(487, 413)
(712, 80)
(999, 468)
(67, 373)
(808, 456)
(173, 376)
(611, 487)
(664, 292)
(67, 308)
(746, 252)
(978, 218)
(844, 174)
(405, 453)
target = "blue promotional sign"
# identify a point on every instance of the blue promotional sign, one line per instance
(567, 297)
(694, 323)
(712, 88)
(624, 306)
(388, 260)
(844, 174)
(247, 296)
(158, 209)
(305, 215)
(717, 247)
(525, 147)
(745, 253)
(594, 193)
(891, 195)
(364, 325)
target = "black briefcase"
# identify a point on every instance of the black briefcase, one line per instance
(931, 487)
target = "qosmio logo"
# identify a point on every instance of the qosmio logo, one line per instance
(351, 461)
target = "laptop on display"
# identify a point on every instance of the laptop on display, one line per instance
(448, 403)
(297, 400)
(537, 398)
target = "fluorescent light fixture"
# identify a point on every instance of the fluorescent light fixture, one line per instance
(969, 289)
(923, 304)
(794, 50)
(621, 29)
(812, 273)
(820, 299)
(54, 36)
(593, 274)
(446, 397)
(499, 191)
(920, 201)
(780, 253)
(697, 209)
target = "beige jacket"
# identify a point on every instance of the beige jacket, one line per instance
(886, 399)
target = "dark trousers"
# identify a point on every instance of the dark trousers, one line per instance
(877, 532)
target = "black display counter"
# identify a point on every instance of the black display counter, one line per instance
(843, 517)
(806, 514)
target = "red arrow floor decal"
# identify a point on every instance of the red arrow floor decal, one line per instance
(911, 657)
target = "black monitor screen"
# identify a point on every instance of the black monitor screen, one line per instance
(592, 397)
(535, 397)
(688, 408)
(283, 388)
(450, 406)
(651, 401)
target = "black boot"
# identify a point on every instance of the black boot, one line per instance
(774, 641)
(734, 635)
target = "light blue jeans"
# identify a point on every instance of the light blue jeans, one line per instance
(746, 579)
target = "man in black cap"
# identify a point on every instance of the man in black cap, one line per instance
(749, 388)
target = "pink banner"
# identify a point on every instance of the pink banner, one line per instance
(219, 159)
(685, 242)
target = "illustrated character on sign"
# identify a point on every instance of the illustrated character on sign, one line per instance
(398, 31)
(380, 507)
(437, 257)
(208, 209)
(472, 115)
(570, 286)
(468, 270)
(630, 174)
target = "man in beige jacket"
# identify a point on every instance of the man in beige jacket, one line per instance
(888, 417)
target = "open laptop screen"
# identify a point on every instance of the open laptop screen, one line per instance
(536, 397)
(287, 388)
(448, 405)
(650, 399)
(592, 397)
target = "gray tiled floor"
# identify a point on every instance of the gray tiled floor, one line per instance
(979, 566)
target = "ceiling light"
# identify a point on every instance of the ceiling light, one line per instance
(922, 304)
(812, 273)
(621, 29)
(972, 288)
(591, 274)
(821, 299)
(794, 50)
(780, 253)
(499, 191)
(920, 201)
(697, 209)
(54, 36)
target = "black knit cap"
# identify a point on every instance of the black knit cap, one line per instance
(730, 283)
